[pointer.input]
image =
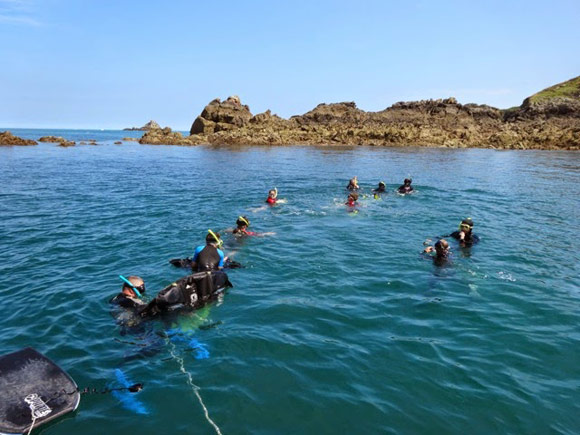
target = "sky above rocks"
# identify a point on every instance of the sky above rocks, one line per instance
(115, 64)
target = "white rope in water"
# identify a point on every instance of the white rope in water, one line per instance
(32, 425)
(194, 387)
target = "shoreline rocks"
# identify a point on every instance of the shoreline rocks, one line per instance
(8, 139)
(549, 119)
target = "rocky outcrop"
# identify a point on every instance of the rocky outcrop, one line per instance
(549, 119)
(220, 116)
(7, 138)
(151, 125)
(66, 143)
(165, 136)
(52, 139)
(131, 139)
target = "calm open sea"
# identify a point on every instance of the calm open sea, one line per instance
(336, 324)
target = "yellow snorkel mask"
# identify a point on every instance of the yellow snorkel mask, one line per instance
(219, 241)
(466, 224)
(244, 220)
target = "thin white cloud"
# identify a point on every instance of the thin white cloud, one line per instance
(18, 12)
(15, 19)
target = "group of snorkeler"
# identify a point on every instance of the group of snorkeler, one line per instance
(380, 190)
(206, 281)
(208, 261)
(440, 250)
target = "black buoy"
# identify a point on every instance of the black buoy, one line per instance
(33, 391)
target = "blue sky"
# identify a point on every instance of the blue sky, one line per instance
(114, 64)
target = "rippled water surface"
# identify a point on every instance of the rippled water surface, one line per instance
(337, 324)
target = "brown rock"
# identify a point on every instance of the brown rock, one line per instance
(167, 137)
(149, 126)
(67, 143)
(7, 138)
(54, 139)
(220, 116)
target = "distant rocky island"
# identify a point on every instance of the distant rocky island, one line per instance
(549, 119)
(149, 126)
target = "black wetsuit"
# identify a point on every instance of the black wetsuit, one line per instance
(470, 239)
(125, 301)
(405, 189)
(209, 258)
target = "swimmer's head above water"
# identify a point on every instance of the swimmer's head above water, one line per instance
(272, 195)
(213, 239)
(243, 222)
(352, 198)
(137, 284)
(466, 225)
(442, 248)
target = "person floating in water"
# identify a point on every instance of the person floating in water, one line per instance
(242, 228)
(381, 188)
(465, 233)
(352, 199)
(353, 184)
(131, 293)
(209, 257)
(406, 187)
(440, 251)
(272, 196)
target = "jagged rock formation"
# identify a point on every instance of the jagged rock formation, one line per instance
(149, 126)
(549, 119)
(218, 116)
(7, 138)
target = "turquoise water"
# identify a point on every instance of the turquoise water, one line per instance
(337, 324)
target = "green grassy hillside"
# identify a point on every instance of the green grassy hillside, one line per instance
(568, 89)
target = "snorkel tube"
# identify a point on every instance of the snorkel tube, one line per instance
(244, 220)
(217, 239)
(130, 284)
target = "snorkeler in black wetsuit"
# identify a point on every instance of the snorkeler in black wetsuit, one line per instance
(381, 188)
(406, 187)
(465, 233)
(440, 252)
(209, 257)
(130, 295)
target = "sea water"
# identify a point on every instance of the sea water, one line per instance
(337, 323)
